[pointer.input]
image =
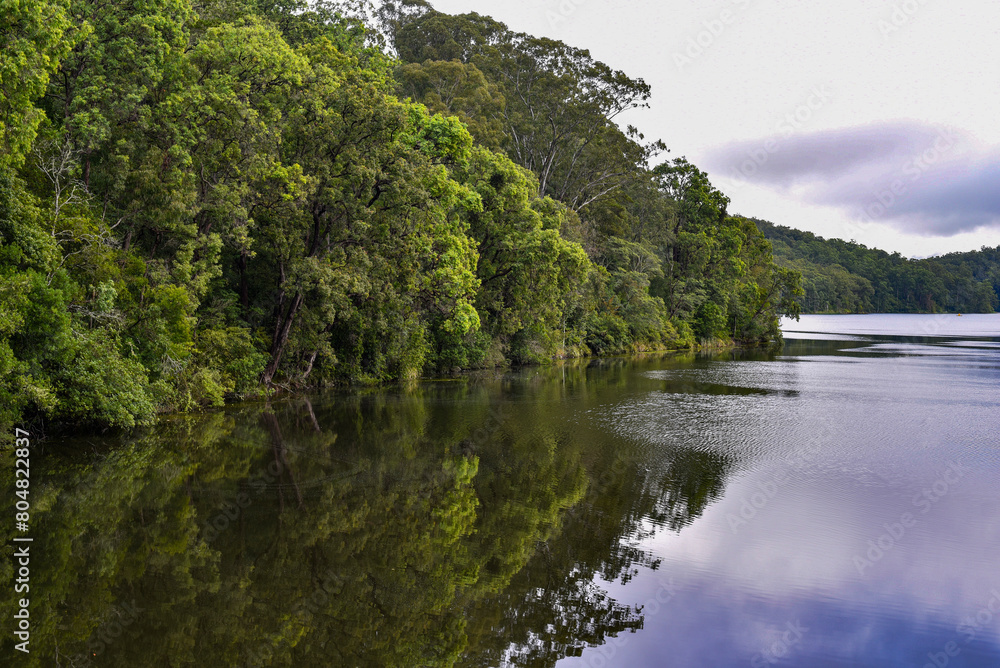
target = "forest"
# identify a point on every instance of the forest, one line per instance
(203, 201)
(847, 277)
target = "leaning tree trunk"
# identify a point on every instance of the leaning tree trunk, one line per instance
(284, 328)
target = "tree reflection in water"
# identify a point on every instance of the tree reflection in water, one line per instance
(448, 524)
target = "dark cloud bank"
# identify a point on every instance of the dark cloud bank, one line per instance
(922, 179)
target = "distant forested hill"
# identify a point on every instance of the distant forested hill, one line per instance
(844, 277)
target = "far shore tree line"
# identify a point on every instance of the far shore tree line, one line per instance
(846, 277)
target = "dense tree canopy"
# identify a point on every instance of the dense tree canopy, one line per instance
(846, 277)
(207, 200)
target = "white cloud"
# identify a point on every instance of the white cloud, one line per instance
(936, 67)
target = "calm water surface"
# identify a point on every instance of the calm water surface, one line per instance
(836, 503)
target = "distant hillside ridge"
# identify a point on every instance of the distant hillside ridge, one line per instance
(847, 277)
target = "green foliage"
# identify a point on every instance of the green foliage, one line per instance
(848, 277)
(554, 104)
(719, 274)
(207, 201)
(54, 364)
(461, 89)
(525, 266)
(607, 334)
(234, 353)
(98, 386)
(224, 364)
(709, 321)
(35, 36)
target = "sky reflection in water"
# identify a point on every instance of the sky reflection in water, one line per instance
(861, 523)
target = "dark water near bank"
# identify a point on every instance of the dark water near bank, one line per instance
(833, 504)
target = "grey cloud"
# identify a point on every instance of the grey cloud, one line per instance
(786, 159)
(954, 200)
(918, 178)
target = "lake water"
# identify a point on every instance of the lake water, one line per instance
(835, 503)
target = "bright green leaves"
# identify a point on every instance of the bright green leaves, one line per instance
(245, 76)
(461, 89)
(225, 363)
(24, 242)
(525, 266)
(34, 337)
(52, 364)
(719, 275)
(371, 250)
(557, 108)
(440, 137)
(106, 82)
(100, 385)
(172, 307)
(106, 294)
(34, 36)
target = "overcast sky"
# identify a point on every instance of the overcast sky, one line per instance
(859, 119)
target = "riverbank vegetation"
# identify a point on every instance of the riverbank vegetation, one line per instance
(847, 277)
(201, 200)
